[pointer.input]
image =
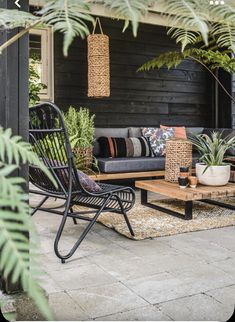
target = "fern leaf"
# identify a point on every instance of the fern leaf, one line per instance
(129, 10)
(225, 35)
(185, 37)
(67, 17)
(188, 15)
(12, 18)
(15, 150)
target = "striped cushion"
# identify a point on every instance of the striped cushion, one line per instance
(123, 147)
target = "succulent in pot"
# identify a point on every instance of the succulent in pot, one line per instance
(212, 170)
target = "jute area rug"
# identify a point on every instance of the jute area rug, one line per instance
(150, 223)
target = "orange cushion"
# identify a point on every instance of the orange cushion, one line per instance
(180, 131)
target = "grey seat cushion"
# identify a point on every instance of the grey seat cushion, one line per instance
(116, 165)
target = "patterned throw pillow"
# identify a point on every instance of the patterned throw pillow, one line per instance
(180, 131)
(87, 183)
(157, 139)
(124, 147)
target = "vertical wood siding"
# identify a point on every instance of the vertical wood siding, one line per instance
(176, 97)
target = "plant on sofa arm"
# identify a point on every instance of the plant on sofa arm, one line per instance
(212, 149)
(18, 260)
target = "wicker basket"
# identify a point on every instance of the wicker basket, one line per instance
(84, 157)
(178, 154)
(98, 64)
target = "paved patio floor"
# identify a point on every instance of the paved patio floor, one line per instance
(184, 277)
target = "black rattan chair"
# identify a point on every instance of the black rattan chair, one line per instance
(49, 139)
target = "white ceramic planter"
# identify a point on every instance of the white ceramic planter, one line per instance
(214, 175)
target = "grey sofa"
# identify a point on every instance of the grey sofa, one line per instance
(142, 164)
(137, 164)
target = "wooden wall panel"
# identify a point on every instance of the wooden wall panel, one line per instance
(174, 97)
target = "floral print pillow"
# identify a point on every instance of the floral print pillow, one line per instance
(157, 139)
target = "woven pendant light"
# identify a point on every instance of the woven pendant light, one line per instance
(98, 64)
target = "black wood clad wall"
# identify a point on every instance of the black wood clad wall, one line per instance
(176, 97)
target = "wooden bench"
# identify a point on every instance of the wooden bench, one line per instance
(127, 175)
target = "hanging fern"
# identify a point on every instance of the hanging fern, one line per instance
(129, 10)
(67, 17)
(185, 37)
(18, 257)
(225, 35)
(187, 18)
(212, 59)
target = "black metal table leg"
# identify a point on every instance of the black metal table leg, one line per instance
(188, 215)
(188, 210)
(143, 196)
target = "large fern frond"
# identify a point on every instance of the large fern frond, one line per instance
(10, 18)
(183, 36)
(129, 10)
(225, 35)
(68, 17)
(187, 15)
(212, 59)
(18, 260)
(14, 149)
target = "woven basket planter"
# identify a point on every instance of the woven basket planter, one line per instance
(84, 157)
(178, 154)
(98, 64)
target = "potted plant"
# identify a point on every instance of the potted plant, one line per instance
(212, 170)
(81, 131)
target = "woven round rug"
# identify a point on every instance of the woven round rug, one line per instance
(151, 223)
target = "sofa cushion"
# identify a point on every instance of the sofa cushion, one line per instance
(121, 132)
(124, 147)
(179, 131)
(134, 132)
(157, 139)
(117, 165)
(225, 133)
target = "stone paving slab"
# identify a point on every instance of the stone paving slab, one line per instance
(65, 308)
(168, 286)
(198, 307)
(110, 277)
(106, 299)
(75, 278)
(146, 313)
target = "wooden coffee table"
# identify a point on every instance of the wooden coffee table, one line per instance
(171, 190)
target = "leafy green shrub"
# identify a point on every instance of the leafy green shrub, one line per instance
(80, 126)
(18, 260)
(35, 86)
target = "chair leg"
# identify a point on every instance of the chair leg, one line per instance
(39, 205)
(83, 235)
(74, 219)
(125, 216)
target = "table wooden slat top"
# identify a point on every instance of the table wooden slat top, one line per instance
(172, 190)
